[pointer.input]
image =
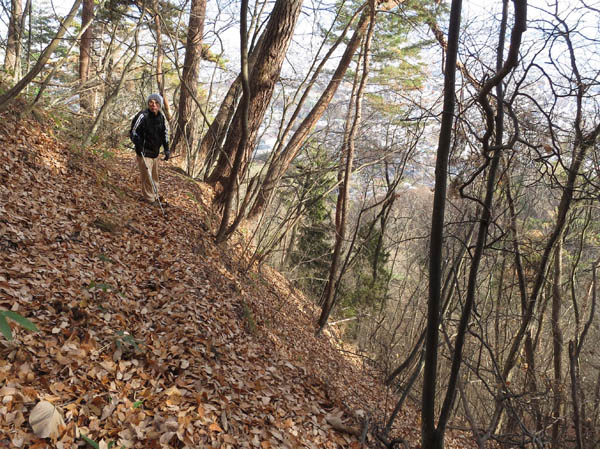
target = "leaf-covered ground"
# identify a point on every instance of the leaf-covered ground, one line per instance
(150, 335)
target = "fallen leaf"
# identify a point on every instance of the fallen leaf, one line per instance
(224, 421)
(215, 427)
(45, 420)
(167, 437)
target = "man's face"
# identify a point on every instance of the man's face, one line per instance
(154, 106)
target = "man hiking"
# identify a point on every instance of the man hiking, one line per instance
(149, 131)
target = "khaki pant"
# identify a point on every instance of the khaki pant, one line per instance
(149, 167)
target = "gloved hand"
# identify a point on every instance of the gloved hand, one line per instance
(167, 155)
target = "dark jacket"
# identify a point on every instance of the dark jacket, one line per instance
(149, 132)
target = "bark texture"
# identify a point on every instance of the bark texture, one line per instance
(85, 49)
(184, 131)
(11, 61)
(282, 161)
(263, 77)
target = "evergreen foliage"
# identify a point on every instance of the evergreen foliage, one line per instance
(367, 283)
(311, 253)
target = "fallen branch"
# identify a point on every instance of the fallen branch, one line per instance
(337, 424)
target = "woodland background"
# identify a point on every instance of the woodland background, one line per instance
(429, 177)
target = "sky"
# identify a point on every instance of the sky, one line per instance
(469, 6)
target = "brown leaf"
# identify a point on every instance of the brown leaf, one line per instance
(214, 427)
(45, 420)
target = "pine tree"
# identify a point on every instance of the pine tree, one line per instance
(311, 251)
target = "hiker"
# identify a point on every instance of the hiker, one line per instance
(149, 131)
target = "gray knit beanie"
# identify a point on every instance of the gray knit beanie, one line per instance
(157, 98)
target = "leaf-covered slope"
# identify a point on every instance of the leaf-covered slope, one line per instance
(150, 335)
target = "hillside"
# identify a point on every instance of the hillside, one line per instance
(150, 335)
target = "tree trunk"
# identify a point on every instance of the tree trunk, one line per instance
(242, 135)
(19, 55)
(445, 296)
(217, 131)
(596, 401)
(341, 210)
(343, 178)
(55, 66)
(581, 145)
(557, 353)
(28, 13)
(86, 102)
(222, 233)
(263, 77)
(160, 76)
(43, 59)
(575, 388)
(281, 161)
(184, 132)
(430, 437)
(13, 41)
(113, 95)
(495, 126)
(409, 384)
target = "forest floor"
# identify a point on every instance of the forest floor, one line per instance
(150, 335)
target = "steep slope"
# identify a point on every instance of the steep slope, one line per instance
(150, 335)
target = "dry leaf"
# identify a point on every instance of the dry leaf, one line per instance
(215, 427)
(166, 437)
(195, 382)
(224, 421)
(45, 420)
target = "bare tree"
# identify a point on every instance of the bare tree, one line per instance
(115, 91)
(212, 141)
(185, 128)
(43, 59)
(278, 34)
(223, 228)
(12, 64)
(431, 437)
(86, 100)
(285, 155)
(557, 353)
(352, 123)
(271, 53)
(160, 76)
